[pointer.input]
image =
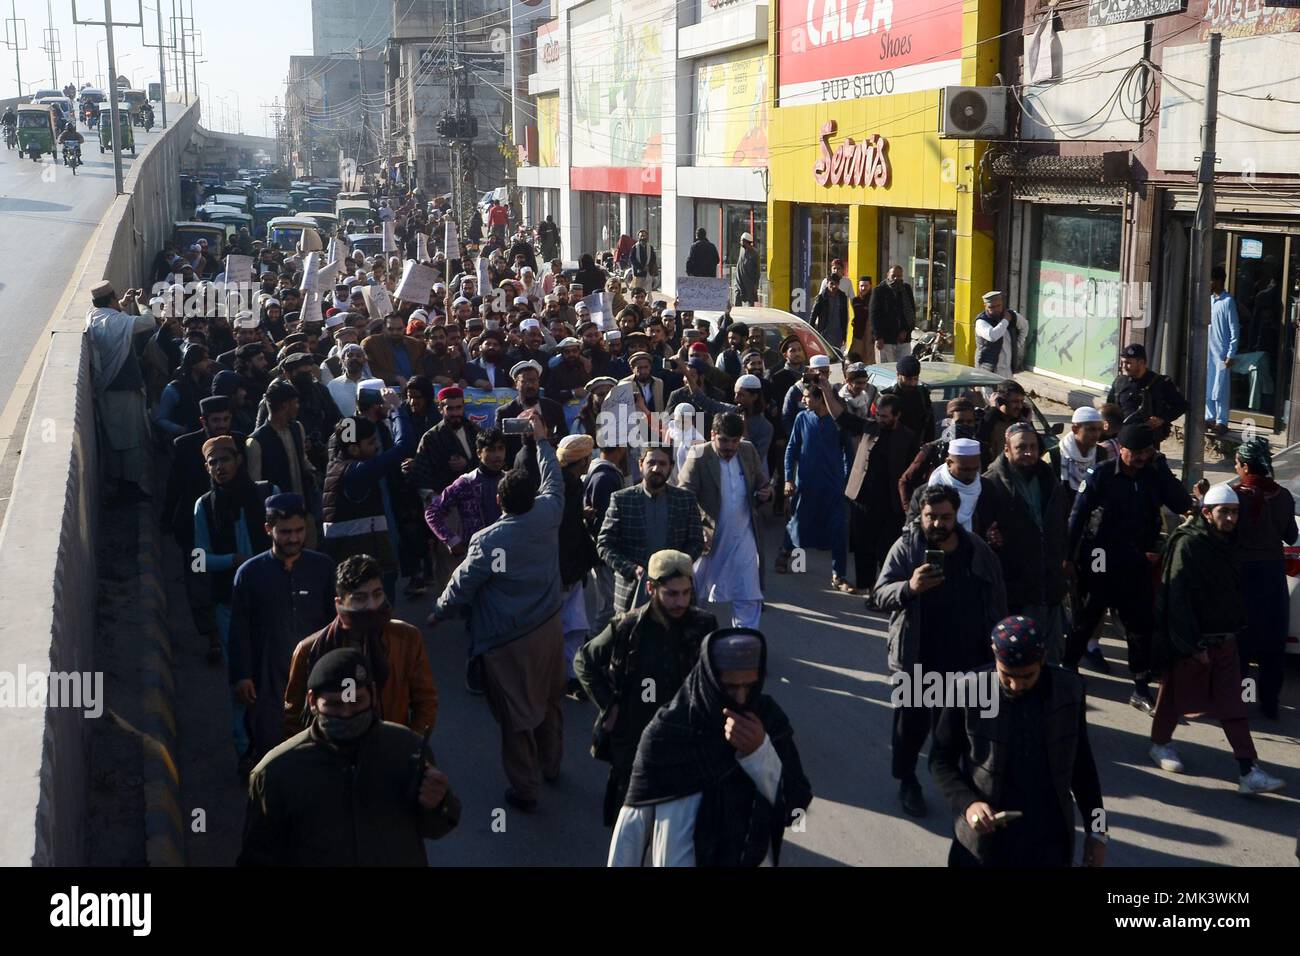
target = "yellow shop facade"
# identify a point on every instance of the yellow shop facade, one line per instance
(858, 170)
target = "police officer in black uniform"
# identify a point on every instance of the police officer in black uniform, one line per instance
(1145, 395)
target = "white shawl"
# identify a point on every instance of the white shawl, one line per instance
(970, 494)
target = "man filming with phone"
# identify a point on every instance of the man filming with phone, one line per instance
(942, 587)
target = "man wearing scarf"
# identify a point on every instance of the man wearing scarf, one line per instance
(405, 692)
(1029, 754)
(1029, 536)
(1265, 521)
(228, 525)
(958, 423)
(1201, 608)
(352, 789)
(1081, 450)
(717, 776)
(961, 472)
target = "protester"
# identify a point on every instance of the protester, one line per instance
(277, 451)
(940, 616)
(1008, 408)
(915, 411)
(1081, 451)
(815, 478)
(978, 511)
(959, 422)
(345, 791)
(576, 548)
(1200, 608)
(685, 804)
(1030, 754)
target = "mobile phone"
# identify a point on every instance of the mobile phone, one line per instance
(517, 426)
(1003, 817)
(935, 560)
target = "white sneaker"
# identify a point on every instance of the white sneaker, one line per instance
(1257, 781)
(1166, 758)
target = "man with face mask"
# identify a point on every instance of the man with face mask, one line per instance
(177, 412)
(317, 412)
(357, 498)
(686, 803)
(1029, 534)
(941, 613)
(658, 642)
(405, 692)
(1028, 754)
(350, 790)
(1110, 551)
(916, 410)
(343, 390)
(278, 598)
(1200, 609)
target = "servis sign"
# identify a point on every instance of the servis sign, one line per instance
(851, 163)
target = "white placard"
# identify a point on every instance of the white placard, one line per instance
(701, 295)
(239, 269)
(390, 237)
(310, 272)
(416, 284)
(311, 308)
(338, 250)
(597, 303)
(421, 247)
(484, 277)
(451, 240)
(378, 304)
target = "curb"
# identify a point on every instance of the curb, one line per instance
(163, 824)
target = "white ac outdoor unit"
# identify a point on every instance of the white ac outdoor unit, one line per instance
(975, 112)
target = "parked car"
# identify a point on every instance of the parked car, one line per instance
(777, 326)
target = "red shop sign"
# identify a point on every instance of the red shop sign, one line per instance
(852, 164)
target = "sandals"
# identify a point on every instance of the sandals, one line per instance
(839, 584)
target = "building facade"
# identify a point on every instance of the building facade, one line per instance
(343, 26)
(333, 105)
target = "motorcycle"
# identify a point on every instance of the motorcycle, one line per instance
(146, 117)
(11, 137)
(72, 156)
(930, 346)
(90, 116)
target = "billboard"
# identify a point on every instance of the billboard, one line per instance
(833, 51)
(548, 130)
(731, 110)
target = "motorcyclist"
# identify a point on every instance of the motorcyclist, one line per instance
(71, 138)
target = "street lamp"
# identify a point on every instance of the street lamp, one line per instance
(239, 122)
(31, 86)
(99, 65)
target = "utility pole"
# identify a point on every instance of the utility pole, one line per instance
(50, 44)
(18, 60)
(112, 98)
(454, 157)
(1202, 254)
(185, 67)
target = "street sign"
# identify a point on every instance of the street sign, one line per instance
(1105, 12)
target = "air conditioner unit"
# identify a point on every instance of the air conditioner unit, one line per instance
(975, 112)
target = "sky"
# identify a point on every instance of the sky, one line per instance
(246, 43)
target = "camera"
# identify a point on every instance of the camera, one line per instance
(517, 426)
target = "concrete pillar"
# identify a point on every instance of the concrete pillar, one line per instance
(779, 265)
(864, 251)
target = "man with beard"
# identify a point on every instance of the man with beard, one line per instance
(357, 501)
(686, 803)
(958, 423)
(874, 486)
(177, 412)
(490, 370)
(644, 262)
(405, 692)
(231, 386)
(753, 407)
(317, 412)
(1145, 395)
(830, 312)
(413, 418)
(644, 519)
(351, 789)
(1201, 608)
(1081, 451)
(446, 450)
(941, 614)
(515, 620)
(1030, 535)
(566, 380)
(527, 377)
(278, 598)
(1127, 495)
(1000, 338)
(228, 525)
(394, 356)
(916, 411)
(654, 646)
(728, 479)
(1030, 754)
(247, 329)
(277, 450)
(978, 512)
(892, 314)
(1008, 407)
(343, 390)
(444, 366)
(577, 550)
(862, 344)
(253, 366)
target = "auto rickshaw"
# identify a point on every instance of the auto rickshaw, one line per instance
(35, 130)
(124, 124)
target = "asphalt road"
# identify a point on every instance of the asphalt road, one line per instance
(49, 216)
(828, 671)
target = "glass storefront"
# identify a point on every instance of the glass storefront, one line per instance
(542, 203)
(725, 222)
(600, 221)
(1074, 292)
(924, 245)
(821, 234)
(644, 212)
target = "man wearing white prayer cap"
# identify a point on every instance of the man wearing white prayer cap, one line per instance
(999, 336)
(1202, 604)
(961, 472)
(1081, 451)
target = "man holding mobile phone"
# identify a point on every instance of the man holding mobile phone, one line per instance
(942, 587)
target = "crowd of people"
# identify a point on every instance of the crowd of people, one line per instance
(603, 532)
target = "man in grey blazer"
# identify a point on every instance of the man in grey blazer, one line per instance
(644, 519)
(729, 481)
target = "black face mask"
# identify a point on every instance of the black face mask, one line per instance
(963, 431)
(303, 381)
(369, 620)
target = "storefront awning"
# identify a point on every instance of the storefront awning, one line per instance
(1100, 169)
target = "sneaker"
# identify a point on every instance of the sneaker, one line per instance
(1143, 701)
(1257, 781)
(909, 794)
(1095, 660)
(1166, 758)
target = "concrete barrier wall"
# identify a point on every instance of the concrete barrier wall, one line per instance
(47, 543)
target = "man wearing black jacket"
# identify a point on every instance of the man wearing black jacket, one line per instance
(1144, 395)
(1028, 754)
(916, 410)
(892, 316)
(830, 312)
(702, 261)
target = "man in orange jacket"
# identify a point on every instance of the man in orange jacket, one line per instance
(405, 691)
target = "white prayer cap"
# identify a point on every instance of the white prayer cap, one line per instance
(246, 320)
(271, 302)
(1220, 494)
(370, 384)
(334, 321)
(684, 410)
(569, 343)
(990, 296)
(420, 314)
(520, 300)
(960, 447)
(460, 300)
(529, 324)
(1085, 416)
(613, 335)
(749, 381)
(819, 361)
(439, 287)
(581, 308)
(349, 281)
